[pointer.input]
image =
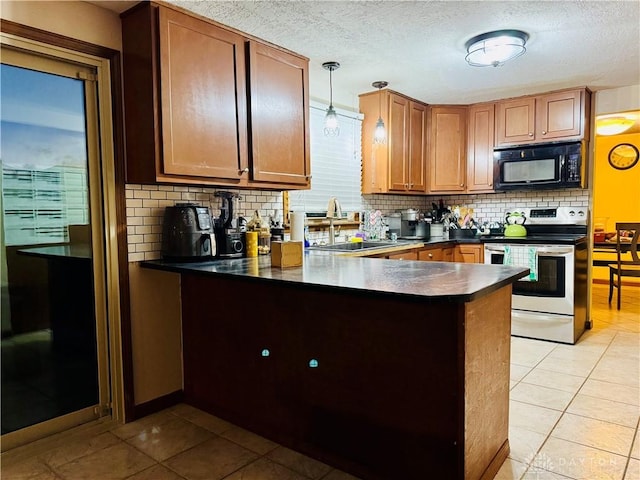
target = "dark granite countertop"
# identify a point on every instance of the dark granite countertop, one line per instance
(76, 251)
(431, 281)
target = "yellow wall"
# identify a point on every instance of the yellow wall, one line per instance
(616, 193)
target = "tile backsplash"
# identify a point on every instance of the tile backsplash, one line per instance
(145, 207)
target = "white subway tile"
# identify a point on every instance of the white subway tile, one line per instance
(136, 257)
(135, 239)
(141, 194)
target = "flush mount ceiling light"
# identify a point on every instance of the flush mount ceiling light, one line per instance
(331, 125)
(614, 124)
(495, 48)
(380, 134)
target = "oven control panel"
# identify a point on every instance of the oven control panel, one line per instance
(552, 216)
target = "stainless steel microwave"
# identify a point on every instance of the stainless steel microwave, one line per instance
(558, 165)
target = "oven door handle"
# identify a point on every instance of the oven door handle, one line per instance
(546, 250)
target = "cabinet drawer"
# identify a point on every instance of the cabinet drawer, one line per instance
(431, 255)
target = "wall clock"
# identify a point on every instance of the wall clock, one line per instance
(623, 156)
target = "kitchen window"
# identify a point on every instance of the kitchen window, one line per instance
(336, 164)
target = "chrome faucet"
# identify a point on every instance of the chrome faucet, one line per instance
(333, 209)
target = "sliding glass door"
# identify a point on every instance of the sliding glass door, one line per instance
(54, 359)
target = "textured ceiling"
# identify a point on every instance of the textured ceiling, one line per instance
(418, 47)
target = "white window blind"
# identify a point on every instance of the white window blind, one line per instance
(335, 164)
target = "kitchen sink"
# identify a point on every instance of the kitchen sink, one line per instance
(354, 246)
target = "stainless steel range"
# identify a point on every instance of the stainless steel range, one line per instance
(551, 304)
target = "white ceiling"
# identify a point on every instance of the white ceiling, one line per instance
(418, 46)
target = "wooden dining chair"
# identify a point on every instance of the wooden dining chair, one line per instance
(624, 268)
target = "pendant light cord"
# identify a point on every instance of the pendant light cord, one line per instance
(331, 87)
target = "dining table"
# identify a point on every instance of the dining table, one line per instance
(608, 247)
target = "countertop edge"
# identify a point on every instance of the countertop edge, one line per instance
(462, 297)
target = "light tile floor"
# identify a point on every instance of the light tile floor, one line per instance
(574, 414)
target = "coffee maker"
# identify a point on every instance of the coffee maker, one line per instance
(230, 237)
(412, 227)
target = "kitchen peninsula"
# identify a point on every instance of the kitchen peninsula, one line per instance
(385, 369)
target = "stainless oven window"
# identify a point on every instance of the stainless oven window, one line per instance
(551, 282)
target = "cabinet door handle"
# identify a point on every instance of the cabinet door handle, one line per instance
(431, 255)
(462, 184)
(244, 170)
(531, 134)
(544, 133)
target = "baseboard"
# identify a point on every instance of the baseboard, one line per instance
(604, 281)
(157, 404)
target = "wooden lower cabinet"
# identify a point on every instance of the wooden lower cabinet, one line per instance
(470, 253)
(436, 254)
(447, 254)
(382, 386)
(410, 255)
(431, 255)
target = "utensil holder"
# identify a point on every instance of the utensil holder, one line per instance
(462, 232)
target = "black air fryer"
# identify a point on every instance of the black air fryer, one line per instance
(187, 233)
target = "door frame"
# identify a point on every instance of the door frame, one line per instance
(107, 63)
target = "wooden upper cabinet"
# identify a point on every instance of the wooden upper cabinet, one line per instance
(279, 116)
(398, 142)
(399, 164)
(516, 121)
(550, 117)
(558, 115)
(204, 131)
(448, 149)
(480, 148)
(187, 82)
(417, 160)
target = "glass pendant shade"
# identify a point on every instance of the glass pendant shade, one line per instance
(380, 133)
(495, 48)
(331, 124)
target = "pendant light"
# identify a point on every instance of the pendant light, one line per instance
(380, 134)
(331, 124)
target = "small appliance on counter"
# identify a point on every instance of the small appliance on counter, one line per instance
(230, 239)
(412, 227)
(514, 226)
(393, 222)
(187, 233)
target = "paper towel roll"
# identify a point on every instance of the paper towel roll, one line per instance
(297, 226)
